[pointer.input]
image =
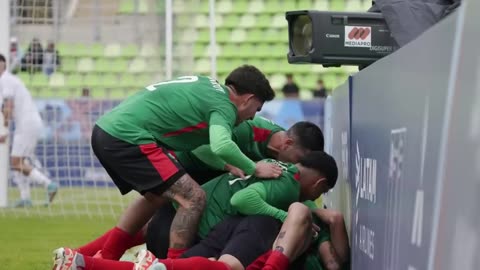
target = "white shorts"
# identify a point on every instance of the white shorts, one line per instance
(23, 144)
(25, 140)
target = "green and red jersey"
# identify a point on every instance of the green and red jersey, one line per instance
(281, 192)
(252, 137)
(175, 113)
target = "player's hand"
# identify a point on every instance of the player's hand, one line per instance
(3, 138)
(235, 171)
(267, 170)
(315, 230)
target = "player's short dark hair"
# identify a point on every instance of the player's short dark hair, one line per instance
(323, 163)
(2, 58)
(307, 135)
(248, 79)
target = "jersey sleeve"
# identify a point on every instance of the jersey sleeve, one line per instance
(252, 200)
(222, 145)
(271, 197)
(224, 115)
(283, 191)
(205, 154)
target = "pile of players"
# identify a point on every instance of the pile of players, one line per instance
(221, 188)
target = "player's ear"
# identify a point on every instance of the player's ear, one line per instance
(321, 183)
(249, 98)
(289, 141)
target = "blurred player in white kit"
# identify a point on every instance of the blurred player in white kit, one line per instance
(18, 106)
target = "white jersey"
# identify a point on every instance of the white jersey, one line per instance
(25, 112)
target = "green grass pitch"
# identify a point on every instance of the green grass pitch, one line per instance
(78, 215)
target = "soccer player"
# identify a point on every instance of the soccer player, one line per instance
(315, 174)
(295, 248)
(132, 143)
(318, 242)
(19, 106)
(259, 138)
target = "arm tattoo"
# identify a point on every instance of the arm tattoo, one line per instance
(185, 224)
(281, 234)
(279, 249)
(333, 262)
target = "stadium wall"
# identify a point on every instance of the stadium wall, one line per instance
(395, 117)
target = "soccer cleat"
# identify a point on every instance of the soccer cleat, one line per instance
(146, 261)
(157, 266)
(52, 190)
(67, 259)
(23, 203)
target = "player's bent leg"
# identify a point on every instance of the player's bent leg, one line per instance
(293, 239)
(191, 199)
(17, 164)
(24, 187)
(295, 234)
(133, 219)
(94, 247)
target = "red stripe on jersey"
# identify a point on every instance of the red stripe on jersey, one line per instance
(171, 152)
(261, 134)
(162, 163)
(296, 176)
(200, 125)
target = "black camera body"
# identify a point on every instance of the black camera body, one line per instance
(337, 38)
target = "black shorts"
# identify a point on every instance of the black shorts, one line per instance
(144, 168)
(243, 237)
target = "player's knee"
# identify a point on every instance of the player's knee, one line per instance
(299, 211)
(232, 262)
(16, 163)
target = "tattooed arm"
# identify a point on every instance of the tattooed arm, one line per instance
(328, 256)
(338, 232)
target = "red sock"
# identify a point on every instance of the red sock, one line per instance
(91, 248)
(276, 261)
(174, 253)
(102, 264)
(117, 243)
(259, 262)
(194, 263)
(138, 239)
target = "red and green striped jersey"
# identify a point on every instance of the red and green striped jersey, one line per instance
(251, 136)
(175, 113)
(281, 192)
(254, 135)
